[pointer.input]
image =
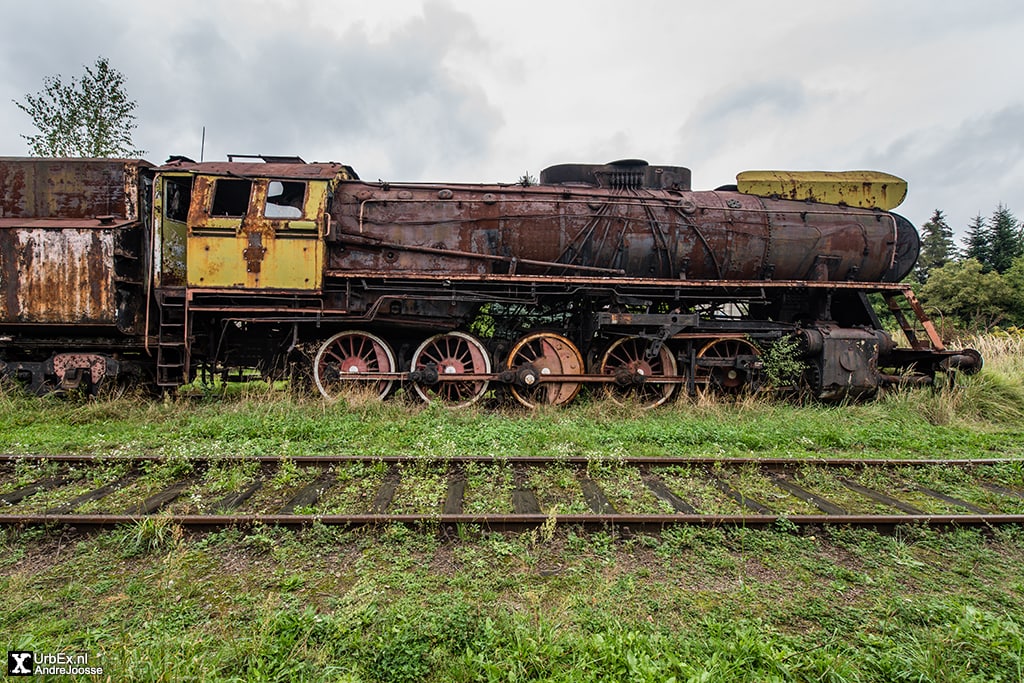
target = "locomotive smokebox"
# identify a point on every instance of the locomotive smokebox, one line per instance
(908, 248)
(622, 174)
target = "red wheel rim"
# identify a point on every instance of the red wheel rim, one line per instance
(347, 361)
(454, 353)
(627, 358)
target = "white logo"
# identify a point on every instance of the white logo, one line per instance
(16, 663)
(24, 663)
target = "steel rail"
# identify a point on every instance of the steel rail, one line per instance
(527, 512)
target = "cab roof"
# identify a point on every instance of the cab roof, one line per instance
(274, 169)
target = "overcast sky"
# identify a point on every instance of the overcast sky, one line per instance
(469, 90)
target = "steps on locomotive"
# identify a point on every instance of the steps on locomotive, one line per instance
(912, 319)
(172, 349)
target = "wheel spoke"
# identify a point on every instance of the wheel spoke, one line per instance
(454, 353)
(345, 351)
(726, 375)
(539, 354)
(626, 360)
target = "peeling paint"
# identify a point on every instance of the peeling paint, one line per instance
(58, 275)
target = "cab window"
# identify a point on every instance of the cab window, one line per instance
(285, 199)
(177, 197)
(231, 197)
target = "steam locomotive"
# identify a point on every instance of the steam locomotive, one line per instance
(617, 277)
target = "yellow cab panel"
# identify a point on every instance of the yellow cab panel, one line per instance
(259, 226)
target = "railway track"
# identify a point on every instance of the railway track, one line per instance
(637, 493)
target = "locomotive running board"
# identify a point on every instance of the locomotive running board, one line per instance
(527, 280)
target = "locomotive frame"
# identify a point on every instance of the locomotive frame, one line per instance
(617, 277)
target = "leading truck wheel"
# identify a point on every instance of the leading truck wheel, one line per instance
(442, 357)
(627, 361)
(346, 363)
(537, 355)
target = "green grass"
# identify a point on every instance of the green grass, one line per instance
(984, 416)
(404, 605)
(151, 602)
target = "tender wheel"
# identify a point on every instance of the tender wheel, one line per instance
(625, 360)
(544, 353)
(455, 353)
(344, 361)
(724, 365)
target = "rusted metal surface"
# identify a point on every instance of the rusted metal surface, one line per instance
(172, 194)
(737, 287)
(625, 174)
(771, 464)
(845, 361)
(71, 242)
(922, 317)
(247, 245)
(257, 240)
(296, 171)
(58, 271)
(68, 365)
(649, 233)
(70, 188)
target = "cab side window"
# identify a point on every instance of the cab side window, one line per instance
(178, 196)
(285, 199)
(231, 197)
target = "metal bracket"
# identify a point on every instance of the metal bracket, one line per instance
(668, 324)
(254, 253)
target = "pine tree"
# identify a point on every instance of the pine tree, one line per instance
(977, 241)
(89, 117)
(1006, 242)
(937, 246)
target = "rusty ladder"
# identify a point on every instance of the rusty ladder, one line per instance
(172, 347)
(914, 322)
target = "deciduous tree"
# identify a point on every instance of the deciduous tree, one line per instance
(976, 298)
(92, 116)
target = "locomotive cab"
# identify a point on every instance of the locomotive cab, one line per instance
(241, 225)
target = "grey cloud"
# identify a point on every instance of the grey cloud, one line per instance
(737, 113)
(773, 97)
(964, 170)
(268, 78)
(988, 146)
(303, 88)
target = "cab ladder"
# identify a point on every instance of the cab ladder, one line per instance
(172, 351)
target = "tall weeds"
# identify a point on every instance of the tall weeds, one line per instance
(993, 395)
